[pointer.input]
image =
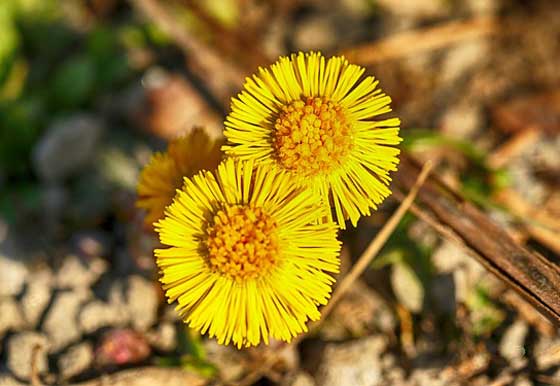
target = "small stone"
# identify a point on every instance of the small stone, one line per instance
(227, 360)
(301, 379)
(316, 33)
(356, 363)
(430, 377)
(20, 352)
(163, 337)
(75, 360)
(76, 137)
(512, 344)
(10, 315)
(98, 314)
(542, 352)
(37, 296)
(6, 380)
(359, 310)
(61, 324)
(407, 287)
(142, 302)
(522, 380)
(12, 276)
(122, 346)
(76, 272)
(462, 121)
(466, 271)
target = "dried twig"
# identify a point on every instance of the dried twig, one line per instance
(377, 243)
(35, 380)
(528, 273)
(412, 42)
(542, 226)
(357, 269)
(519, 142)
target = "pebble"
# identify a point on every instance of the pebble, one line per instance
(407, 287)
(142, 302)
(430, 377)
(163, 337)
(20, 350)
(227, 360)
(67, 146)
(316, 33)
(356, 363)
(98, 314)
(75, 360)
(12, 276)
(6, 380)
(121, 346)
(36, 297)
(462, 121)
(359, 310)
(466, 271)
(61, 324)
(512, 344)
(76, 272)
(301, 379)
(11, 318)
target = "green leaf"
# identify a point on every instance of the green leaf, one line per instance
(74, 82)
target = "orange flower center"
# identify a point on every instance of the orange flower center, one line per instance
(312, 136)
(242, 242)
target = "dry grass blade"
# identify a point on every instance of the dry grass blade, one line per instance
(377, 243)
(412, 42)
(35, 380)
(358, 268)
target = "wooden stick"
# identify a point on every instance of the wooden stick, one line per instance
(377, 243)
(528, 273)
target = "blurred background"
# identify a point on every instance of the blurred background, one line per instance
(89, 89)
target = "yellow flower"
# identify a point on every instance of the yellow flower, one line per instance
(164, 173)
(315, 118)
(247, 257)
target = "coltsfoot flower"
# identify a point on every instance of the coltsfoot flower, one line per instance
(314, 118)
(164, 174)
(247, 258)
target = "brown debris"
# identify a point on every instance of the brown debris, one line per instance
(540, 111)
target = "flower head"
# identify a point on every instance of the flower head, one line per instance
(247, 258)
(314, 118)
(164, 174)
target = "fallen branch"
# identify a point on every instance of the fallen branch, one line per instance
(528, 273)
